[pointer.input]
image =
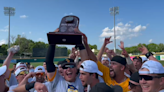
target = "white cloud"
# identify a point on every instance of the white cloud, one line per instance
(40, 39)
(30, 32)
(123, 31)
(23, 33)
(23, 16)
(3, 41)
(151, 40)
(5, 29)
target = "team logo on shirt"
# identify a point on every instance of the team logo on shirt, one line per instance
(71, 88)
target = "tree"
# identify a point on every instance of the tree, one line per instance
(93, 46)
(3, 49)
(152, 47)
(26, 45)
(39, 45)
(161, 47)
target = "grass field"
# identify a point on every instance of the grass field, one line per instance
(41, 63)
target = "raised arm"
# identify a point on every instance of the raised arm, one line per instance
(89, 51)
(49, 61)
(149, 55)
(11, 52)
(128, 60)
(83, 52)
(106, 41)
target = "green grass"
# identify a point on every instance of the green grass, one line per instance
(41, 63)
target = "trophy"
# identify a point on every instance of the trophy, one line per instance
(66, 34)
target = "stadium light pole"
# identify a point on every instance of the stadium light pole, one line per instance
(114, 11)
(9, 11)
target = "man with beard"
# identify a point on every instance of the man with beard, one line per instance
(114, 75)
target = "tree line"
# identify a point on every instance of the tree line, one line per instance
(27, 45)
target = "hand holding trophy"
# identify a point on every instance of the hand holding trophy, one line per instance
(66, 33)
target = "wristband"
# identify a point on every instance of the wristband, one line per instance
(80, 46)
(148, 54)
(29, 86)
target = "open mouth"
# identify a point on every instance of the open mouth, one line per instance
(111, 72)
(145, 87)
(69, 74)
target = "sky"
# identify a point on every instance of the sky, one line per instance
(138, 21)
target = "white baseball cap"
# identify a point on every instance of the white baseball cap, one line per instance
(20, 69)
(3, 69)
(90, 67)
(20, 64)
(144, 59)
(39, 69)
(105, 58)
(154, 67)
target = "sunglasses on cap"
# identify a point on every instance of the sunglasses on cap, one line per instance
(37, 74)
(132, 85)
(147, 78)
(23, 73)
(68, 66)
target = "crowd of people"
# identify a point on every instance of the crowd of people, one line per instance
(84, 71)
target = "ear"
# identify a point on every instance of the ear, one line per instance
(93, 75)
(162, 81)
(123, 67)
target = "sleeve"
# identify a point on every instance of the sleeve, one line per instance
(106, 72)
(50, 58)
(13, 80)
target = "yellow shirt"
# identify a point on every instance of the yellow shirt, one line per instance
(107, 79)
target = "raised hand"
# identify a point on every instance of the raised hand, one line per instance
(124, 52)
(121, 45)
(143, 50)
(57, 30)
(107, 40)
(14, 49)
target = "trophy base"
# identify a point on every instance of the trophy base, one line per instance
(60, 38)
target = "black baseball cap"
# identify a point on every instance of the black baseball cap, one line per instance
(103, 87)
(119, 59)
(67, 61)
(138, 57)
(135, 77)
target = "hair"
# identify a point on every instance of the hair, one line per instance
(160, 75)
(95, 74)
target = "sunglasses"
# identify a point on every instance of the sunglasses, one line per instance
(68, 66)
(37, 74)
(147, 78)
(23, 72)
